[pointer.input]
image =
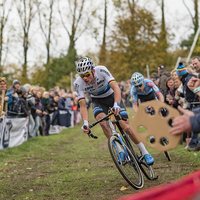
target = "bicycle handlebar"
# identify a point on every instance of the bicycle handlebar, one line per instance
(90, 134)
(102, 119)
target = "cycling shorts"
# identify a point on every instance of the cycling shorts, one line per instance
(100, 105)
(148, 97)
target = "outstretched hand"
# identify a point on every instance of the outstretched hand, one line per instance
(182, 123)
(193, 83)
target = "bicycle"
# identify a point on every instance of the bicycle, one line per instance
(163, 141)
(134, 165)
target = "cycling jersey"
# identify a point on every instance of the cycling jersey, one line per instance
(99, 88)
(101, 92)
(149, 88)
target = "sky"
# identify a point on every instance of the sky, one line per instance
(178, 21)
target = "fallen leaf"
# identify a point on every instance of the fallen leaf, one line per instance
(123, 188)
(6, 163)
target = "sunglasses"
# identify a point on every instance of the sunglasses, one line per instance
(85, 75)
(139, 86)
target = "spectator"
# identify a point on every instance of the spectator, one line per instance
(24, 104)
(69, 101)
(62, 102)
(35, 111)
(180, 100)
(156, 79)
(57, 90)
(196, 64)
(62, 91)
(174, 74)
(190, 69)
(51, 94)
(16, 85)
(11, 99)
(11, 96)
(163, 77)
(31, 102)
(52, 107)
(42, 90)
(39, 118)
(169, 94)
(153, 75)
(179, 93)
(191, 98)
(45, 102)
(3, 84)
(53, 104)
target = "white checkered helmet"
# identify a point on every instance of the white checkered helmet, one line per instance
(137, 79)
(84, 65)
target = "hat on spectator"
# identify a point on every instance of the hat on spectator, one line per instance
(27, 86)
(3, 79)
(181, 70)
(156, 77)
(23, 89)
(15, 81)
(161, 67)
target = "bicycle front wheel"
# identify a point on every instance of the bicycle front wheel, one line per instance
(129, 169)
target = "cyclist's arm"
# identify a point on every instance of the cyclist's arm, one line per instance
(117, 91)
(83, 110)
(160, 96)
(135, 106)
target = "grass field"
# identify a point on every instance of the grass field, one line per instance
(72, 166)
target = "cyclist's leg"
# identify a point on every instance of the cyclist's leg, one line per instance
(104, 125)
(100, 110)
(128, 129)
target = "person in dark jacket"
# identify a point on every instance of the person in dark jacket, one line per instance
(62, 102)
(190, 97)
(163, 76)
(52, 107)
(45, 102)
(36, 110)
(53, 104)
(24, 103)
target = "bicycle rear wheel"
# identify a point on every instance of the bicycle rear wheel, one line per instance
(146, 169)
(129, 169)
(163, 141)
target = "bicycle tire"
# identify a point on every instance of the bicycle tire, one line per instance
(130, 170)
(166, 153)
(146, 169)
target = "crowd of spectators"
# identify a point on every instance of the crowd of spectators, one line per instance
(38, 105)
(175, 88)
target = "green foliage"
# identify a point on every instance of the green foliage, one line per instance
(137, 43)
(56, 71)
(70, 166)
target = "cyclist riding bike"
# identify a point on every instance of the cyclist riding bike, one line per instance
(105, 93)
(143, 90)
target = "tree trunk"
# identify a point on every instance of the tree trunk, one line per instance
(196, 17)
(103, 46)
